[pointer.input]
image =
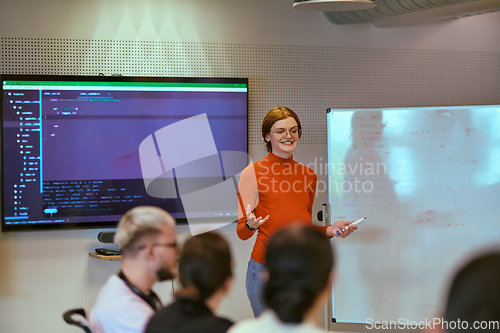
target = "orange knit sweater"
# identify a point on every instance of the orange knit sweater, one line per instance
(280, 188)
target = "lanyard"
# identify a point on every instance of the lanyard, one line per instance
(151, 299)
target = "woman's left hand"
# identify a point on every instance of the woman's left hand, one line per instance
(342, 228)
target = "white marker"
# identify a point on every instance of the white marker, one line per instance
(353, 223)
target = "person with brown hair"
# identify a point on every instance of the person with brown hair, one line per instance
(300, 266)
(206, 277)
(274, 191)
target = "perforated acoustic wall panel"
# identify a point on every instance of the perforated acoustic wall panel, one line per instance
(305, 78)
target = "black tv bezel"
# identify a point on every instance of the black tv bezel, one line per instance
(100, 78)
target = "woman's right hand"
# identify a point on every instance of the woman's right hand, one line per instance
(341, 229)
(255, 222)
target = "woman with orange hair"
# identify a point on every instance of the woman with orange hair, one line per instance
(275, 191)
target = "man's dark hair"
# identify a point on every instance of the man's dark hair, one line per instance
(299, 259)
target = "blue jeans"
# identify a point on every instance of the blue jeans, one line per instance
(255, 286)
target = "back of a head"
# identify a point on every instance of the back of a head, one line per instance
(475, 296)
(299, 260)
(139, 222)
(204, 267)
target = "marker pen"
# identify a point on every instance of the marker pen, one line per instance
(354, 223)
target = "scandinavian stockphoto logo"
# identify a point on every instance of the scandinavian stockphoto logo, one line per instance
(181, 161)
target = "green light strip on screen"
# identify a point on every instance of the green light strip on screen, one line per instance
(124, 84)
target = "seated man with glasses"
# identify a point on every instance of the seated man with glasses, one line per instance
(146, 237)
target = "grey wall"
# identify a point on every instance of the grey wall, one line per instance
(292, 58)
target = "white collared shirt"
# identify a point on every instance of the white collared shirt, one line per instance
(268, 322)
(119, 310)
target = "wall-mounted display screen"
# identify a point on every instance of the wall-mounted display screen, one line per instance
(79, 151)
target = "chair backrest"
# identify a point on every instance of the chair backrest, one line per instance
(69, 315)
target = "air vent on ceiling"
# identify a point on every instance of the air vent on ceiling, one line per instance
(333, 5)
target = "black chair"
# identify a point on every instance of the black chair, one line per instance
(83, 324)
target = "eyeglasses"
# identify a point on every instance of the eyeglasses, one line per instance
(173, 245)
(281, 132)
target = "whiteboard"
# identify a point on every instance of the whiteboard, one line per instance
(428, 181)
